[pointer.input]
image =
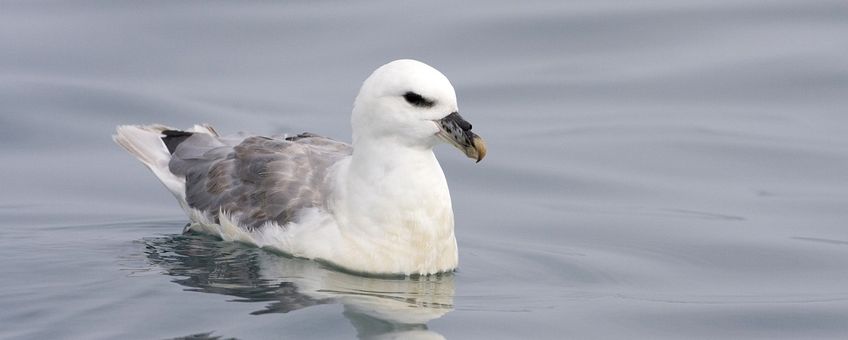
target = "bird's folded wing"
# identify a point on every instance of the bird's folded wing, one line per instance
(258, 179)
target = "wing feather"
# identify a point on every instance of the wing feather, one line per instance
(258, 180)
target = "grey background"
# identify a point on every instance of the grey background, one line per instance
(657, 169)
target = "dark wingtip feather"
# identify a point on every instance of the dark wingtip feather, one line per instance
(173, 138)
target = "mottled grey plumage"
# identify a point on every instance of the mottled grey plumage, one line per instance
(257, 179)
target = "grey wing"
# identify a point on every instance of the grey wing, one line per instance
(259, 179)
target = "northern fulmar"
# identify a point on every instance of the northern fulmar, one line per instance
(379, 205)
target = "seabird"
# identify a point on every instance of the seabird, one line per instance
(379, 205)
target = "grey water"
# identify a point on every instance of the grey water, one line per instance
(656, 169)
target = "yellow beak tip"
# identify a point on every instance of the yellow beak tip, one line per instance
(480, 147)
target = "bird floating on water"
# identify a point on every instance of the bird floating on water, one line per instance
(379, 205)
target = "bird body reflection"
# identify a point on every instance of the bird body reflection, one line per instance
(378, 307)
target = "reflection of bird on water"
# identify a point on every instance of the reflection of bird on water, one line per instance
(379, 307)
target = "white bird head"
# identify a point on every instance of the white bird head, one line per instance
(412, 103)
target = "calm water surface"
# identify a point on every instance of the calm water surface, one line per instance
(660, 169)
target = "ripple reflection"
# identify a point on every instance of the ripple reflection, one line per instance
(377, 307)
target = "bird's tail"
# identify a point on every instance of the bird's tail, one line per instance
(145, 143)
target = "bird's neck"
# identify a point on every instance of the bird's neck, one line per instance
(398, 197)
(374, 160)
(391, 178)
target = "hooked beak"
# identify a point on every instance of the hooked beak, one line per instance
(457, 132)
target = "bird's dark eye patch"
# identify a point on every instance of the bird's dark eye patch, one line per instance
(417, 100)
